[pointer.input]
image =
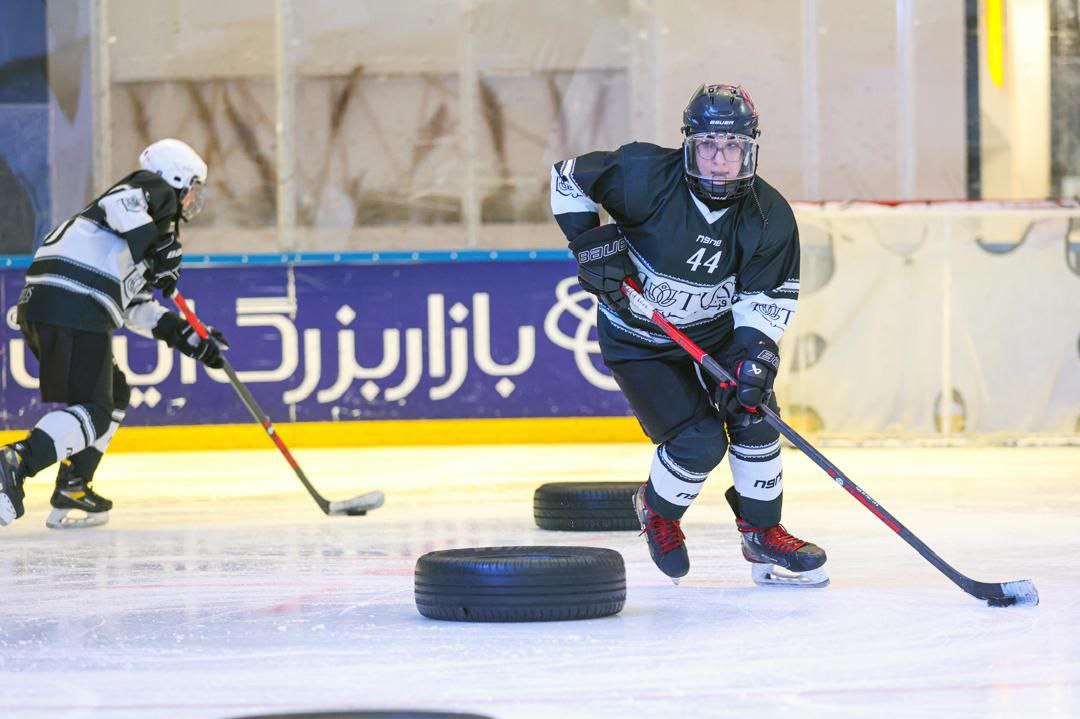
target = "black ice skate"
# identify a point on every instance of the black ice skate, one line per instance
(665, 539)
(779, 559)
(74, 494)
(11, 486)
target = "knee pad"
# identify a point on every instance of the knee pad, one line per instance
(100, 415)
(682, 464)
(701, 446)
(755, 461)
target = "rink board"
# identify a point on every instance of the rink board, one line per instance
(333, 344)
(374, 433)
(905, 330)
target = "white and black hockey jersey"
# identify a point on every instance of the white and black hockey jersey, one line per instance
(89, 273)
(710, 272)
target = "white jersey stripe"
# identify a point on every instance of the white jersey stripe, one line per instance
(566, 195)
(77, 287)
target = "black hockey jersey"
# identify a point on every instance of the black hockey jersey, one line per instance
(709, 271)
(89, 272)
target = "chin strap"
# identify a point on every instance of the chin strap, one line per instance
(757, 202)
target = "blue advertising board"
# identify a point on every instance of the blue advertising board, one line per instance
(24, 126)
(346, 341)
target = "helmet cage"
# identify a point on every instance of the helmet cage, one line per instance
(180, 167)
(192, 199)
(720, 166)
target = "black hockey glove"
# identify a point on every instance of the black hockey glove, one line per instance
(163, 265)
(181, 336)
(754, 371)
(603, 263)
(208, 351)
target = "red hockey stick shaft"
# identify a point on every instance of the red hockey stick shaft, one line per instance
(356, 505)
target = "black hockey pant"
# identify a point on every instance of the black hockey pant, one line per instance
(77, 370)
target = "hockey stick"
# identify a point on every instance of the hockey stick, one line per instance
(1020, 593)
(352, 507)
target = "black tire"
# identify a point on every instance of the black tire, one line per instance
(520, 584)
(586, 506)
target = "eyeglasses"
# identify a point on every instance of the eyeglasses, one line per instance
(732, 149)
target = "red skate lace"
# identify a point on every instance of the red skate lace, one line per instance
(775, 538)
(667, 533)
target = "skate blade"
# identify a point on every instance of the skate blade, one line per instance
(770, 575)
(64, 519)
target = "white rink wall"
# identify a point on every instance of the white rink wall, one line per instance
(939, 320)
(332, 118)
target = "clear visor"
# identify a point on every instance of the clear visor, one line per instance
(716, 156)
(192, 200)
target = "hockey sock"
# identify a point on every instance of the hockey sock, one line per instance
(672, 487)
(85, 463)
(102, 443)
(753, 511)
(58, 435)
(758, 472)
(38, 451)
(681, 465)
(761, 513)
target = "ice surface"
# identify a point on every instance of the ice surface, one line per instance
(219, 589)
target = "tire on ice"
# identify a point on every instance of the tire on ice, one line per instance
(586, 506)
(520, 584)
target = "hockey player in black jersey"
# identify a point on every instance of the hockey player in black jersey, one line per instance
(92, 275)
(717, 249)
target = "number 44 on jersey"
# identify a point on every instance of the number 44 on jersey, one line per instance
(697, 259)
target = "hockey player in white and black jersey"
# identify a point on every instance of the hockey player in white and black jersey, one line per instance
(92, 275)
(717, 249)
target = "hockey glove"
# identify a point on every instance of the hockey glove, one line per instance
(603, 263)
(163, 265)
(181, 336)
(756, 369)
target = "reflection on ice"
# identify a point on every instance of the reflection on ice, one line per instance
(218, 589)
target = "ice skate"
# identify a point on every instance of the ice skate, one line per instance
(11, 486)
(665, 539)
(75, 504)
(780, 559)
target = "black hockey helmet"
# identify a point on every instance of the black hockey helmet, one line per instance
(720, 127)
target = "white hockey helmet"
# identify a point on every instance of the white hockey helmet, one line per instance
(182, 168)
